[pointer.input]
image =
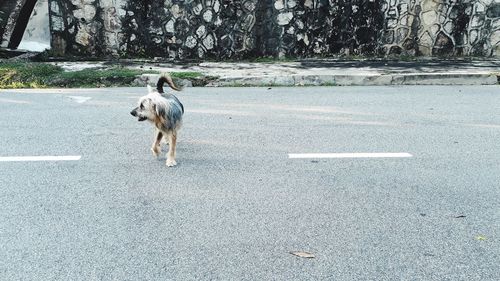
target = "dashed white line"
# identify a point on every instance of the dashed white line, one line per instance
(348, 155)
(14, 101)
(39, 158)
(79, 99)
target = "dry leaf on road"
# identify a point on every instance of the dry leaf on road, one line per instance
(303, 254)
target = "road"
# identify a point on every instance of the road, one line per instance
(236, 205)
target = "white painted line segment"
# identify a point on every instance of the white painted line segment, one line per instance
(14, 101)
(348, 155)
(39, 158)
(79, 99)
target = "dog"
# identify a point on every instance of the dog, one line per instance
(164, 111)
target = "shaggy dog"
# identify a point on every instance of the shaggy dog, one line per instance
(165, 111)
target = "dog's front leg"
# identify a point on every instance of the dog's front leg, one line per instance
(172, 139)
(156, 148)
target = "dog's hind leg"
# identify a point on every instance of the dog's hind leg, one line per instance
(172, 140)
(156, 148)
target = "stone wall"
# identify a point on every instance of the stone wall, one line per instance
(9, 11)
(36, 36)
(322, 27)
(232, 29)
(439, 27)
(190, 29)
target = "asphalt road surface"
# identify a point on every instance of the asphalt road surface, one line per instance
(236, 204)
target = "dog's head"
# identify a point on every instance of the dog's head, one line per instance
(143, 111)
(150, 107)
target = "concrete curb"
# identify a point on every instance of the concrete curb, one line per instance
(340, 80)
(360, 80)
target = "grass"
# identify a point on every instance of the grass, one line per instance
(329, 84)
(41, 75)
(272, 60)
(90, 78)
(26, 75)
(186, 75)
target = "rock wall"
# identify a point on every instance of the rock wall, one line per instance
(87, 27)
(322, 27)
(9, 12)
(37, 33)
(439, 27)
(190, 29)
(231, 29)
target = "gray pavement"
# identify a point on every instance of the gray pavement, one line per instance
(325, 72)
(236, 205)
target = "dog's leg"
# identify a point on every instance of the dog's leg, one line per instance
(172, 139)
(156, 148)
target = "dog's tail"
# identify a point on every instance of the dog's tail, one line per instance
(165, 78)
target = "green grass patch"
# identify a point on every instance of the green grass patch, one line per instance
(272, 60)
(26, 75)
(185, 75)
(329, 84)
(41, 75)
(91, 78)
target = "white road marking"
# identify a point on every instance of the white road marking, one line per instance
(14, 101)
(39, 158)
(79, 99)
(348, 155)
(220, 112)
(489, 126)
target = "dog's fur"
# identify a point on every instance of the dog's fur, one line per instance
(165, 111)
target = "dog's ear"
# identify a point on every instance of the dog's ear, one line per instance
(150, 89)
(161, 120)
(159, 109)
